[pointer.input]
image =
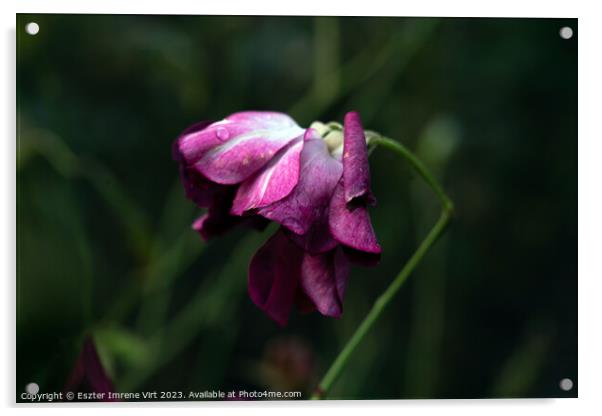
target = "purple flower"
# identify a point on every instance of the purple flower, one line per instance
(88, 375)
(253, 167)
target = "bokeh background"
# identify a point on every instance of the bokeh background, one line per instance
(104, 241)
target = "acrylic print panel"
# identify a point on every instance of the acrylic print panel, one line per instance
(257, 208)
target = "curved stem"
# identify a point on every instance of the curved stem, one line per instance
(418, 166)
(387, 296)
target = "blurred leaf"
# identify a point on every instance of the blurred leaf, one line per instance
(215, 303)
(51, 147)
(120, 346)
(520, 371)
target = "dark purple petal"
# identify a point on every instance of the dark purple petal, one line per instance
(272, 183)
(211, 225)
(231, 150)
(274, 276)
(217, 220)
(198, 188)
(255, 222)
(215, 223)
(309, 200)
(356, 172)
(350, 223)
(324, 279)
(317, 239)
(88, 375)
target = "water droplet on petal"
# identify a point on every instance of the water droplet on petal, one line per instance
(222, 133)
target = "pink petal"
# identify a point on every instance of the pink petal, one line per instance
(274, 276)
(309, 200)
(180, 151)
(272, 183)
(231, 150)
(356, 171)
(324, 279)
(350, 223)
(196, 186)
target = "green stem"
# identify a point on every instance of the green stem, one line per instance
(387, 296)
(395, 146)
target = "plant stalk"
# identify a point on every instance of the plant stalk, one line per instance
(387, 296)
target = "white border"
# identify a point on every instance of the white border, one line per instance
(508, 8)
(590, 203)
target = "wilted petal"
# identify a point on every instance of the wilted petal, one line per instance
(309, 200)
(317, 239)
(324, 279)
(272, 183)
(198, 188)
(217, 220)
(350, 223)
(179, 151)
(231, 150)
(356, 172)
(88, 375)
(196, 140)
(211, 225)
(274, 276)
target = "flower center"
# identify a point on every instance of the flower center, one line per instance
(332, 134)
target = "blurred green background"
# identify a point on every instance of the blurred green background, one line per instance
(104, 241)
